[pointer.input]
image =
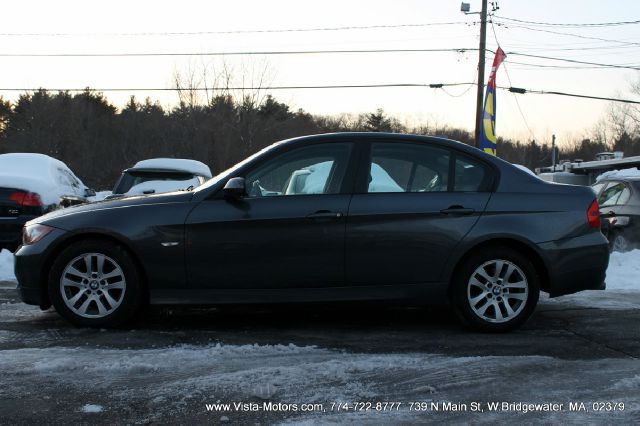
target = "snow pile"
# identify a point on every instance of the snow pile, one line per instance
(6, 266)
(631, 172)
(624, 271)
(39, 173)
(180, 164)
(100, 195)
(159, 186)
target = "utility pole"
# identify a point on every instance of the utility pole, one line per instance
(553, 153)
(481, 60)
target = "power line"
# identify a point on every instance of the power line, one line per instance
(556, 67)
(552, 24)
(221, 89)
(575, 61)
(264, 53)
(630, 43)
(336, 86)
(574, 95)
(302, 52)
(263, 31)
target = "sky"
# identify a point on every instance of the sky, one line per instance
(66, 27)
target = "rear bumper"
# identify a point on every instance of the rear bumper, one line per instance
(576, 264)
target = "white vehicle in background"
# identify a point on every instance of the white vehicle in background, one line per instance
(30, 186)
(158, 175)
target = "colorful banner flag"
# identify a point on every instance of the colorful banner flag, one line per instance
(488, 128)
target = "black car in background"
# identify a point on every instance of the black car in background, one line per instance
(337, 217)
(30, 186)
(619, 199)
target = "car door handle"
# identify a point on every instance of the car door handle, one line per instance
(324, 214)
(457, 210)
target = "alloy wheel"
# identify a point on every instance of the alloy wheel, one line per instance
(620, 244)
(497, 291)
(92, 285)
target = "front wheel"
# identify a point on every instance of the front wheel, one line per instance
(95, 283)
(496, 290)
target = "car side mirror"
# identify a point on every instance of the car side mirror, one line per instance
(88, 192)
(235, 188)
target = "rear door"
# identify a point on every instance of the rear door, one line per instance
(415, 205)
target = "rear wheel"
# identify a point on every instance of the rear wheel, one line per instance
(95, 283)
(620, 243)
(496, 290)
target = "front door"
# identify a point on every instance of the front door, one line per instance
(287, 232)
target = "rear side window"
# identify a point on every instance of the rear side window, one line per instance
(616, 193)
(471, 175)
(404, 167)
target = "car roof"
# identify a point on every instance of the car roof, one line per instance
(369, 136)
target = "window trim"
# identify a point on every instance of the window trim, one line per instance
(346, 180)
(364, 166)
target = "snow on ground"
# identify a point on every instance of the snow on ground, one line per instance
(6, 266)
(171, 379)
(92, 408)
(624, 271)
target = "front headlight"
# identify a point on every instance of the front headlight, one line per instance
(33, 233)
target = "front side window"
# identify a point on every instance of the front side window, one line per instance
(405, 167)
(315, 169)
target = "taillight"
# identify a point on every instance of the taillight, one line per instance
(26, 199)
(593, 215)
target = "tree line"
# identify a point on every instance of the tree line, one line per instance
(97, 140)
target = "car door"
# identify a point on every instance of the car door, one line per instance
(416, 204)
(288, 231)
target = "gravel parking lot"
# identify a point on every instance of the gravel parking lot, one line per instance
(279, 362)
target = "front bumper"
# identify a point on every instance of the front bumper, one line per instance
(576, 264)
(31, 270)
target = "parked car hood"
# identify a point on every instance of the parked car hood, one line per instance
(164, 198)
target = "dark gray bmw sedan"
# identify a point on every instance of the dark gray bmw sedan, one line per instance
(336, 217)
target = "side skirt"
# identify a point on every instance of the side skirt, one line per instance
(431, 293)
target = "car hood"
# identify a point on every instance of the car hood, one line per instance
(165, 198)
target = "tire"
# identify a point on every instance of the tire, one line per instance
(619, 243)
(95, 283)
(495, 290)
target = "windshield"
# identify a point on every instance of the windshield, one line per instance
(133, 178)
(231, 170)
